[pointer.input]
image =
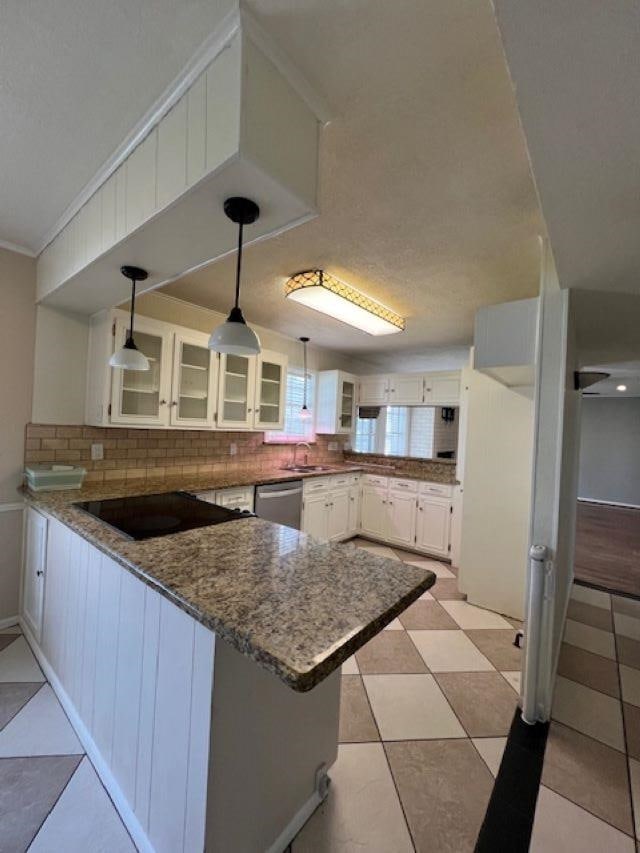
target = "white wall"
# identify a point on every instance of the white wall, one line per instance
(17, 327)
(60, 367)
(497, 494)
(610, 450)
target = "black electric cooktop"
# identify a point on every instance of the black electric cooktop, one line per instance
(146, 516)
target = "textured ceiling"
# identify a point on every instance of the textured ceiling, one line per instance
(75, 78)
(426, 199)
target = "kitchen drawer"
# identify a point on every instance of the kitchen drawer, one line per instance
(410, 487)
(436, 489)
(240, 498)
(375, 480)
(209, 496)
(316, 485)
(339, 480)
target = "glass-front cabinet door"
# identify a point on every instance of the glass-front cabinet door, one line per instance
(236, 385)
(142, 396)
(271, 386)
(194, 377)
(347, 404)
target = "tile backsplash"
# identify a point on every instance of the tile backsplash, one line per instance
(155, 453)
(434, 470)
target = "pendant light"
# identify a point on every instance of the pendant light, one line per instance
(305, 414)
(234, 336)
(130, 357)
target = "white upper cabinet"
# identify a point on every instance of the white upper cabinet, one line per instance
(141, 397)
(236, 387)
(195, 373)
(271, 388)
(406, 389)
(336, 402)
(374, 390)
(442, 389)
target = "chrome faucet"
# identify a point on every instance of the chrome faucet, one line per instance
(295, 453)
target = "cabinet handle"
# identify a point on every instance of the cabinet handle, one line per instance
(174, 402)
(163, 402)
(39, 573)
(420, 508)
(384, 502)
(249, 410)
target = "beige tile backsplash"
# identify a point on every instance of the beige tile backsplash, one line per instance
(154, 453)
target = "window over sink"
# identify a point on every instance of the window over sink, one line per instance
(296, 428)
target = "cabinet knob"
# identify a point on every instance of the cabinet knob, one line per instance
(39, 573)
(174, 402)
(420, 508)
(163, 402)
(249, 410)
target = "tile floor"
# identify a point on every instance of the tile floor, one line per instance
(589, 799)
(51, 799)
(426, 707)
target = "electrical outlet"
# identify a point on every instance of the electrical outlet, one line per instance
(233, 449)
(97, 452)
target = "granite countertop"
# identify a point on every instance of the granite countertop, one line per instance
(297, 606)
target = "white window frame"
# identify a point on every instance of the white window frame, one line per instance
(380, 435)
(284, 436)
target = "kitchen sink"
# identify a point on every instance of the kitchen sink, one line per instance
(306, 469)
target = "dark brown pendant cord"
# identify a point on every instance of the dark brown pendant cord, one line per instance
(239, 264)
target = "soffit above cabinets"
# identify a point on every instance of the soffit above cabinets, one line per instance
(241, 128)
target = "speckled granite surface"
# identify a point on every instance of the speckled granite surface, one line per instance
(296, 606)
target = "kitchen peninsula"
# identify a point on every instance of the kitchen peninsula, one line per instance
(211, 655)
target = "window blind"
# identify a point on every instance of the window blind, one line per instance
(396, 437)
(295, 427)
(421, 432)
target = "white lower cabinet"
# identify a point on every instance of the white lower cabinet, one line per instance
(315, 515)
(331, 507)
(373, 519)
(338, 524)
(401, 518)
(33, 577)
(433, 525)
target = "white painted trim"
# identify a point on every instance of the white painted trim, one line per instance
(608, 503)
(13, 507)
(20, 250)
(210, 48)
(9, 621)
(267, 44)
(107, 778)
(295, 825)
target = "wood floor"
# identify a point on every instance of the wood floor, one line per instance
(608, 547)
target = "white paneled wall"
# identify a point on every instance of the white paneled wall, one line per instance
(138, 673)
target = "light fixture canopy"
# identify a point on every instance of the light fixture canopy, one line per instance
(129, 356)
(233, 336)
(325, 293)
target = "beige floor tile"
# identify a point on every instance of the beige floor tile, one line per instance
(350, 666)
(449, 651)
(595, 597)
(446, 589)
(469, 616)
(13, 697)
(445, 788)
(586, 668)
(426, 596)
(423, 615)
(497, 645)
(514, 679)
(439, 569)
(483, 701)
(390, 652)
(362, 811)
(593, 640)
(17, 663)
(396, 625)
(588, 711)
(491, 749)
(588, 773)
(11, 629)
(628, 651)
(7, 639)
(560, 825)
(380, 550)
(622, 604)
(411, 707)
(630, 679)
(634, 775)
(598, 617)
(627, 626)
(356, 720)
(515, 623)
(632, 729)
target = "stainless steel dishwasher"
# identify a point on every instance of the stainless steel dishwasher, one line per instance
(280, 502)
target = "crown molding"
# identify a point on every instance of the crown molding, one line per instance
(211, 47)
(14, 247)
(268, 45)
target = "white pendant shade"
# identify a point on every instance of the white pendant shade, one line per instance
(234, 338)
(129, 358)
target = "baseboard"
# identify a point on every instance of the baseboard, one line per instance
(293, 828)
(608, 503)
(107, 778)
(8, 621)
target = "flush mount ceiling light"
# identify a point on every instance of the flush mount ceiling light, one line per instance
(234, 336)
(130, 357)
(621, 387)
(325, 293)
(305, 414)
